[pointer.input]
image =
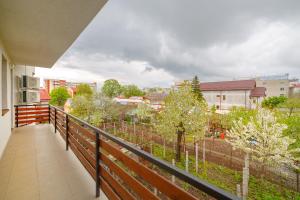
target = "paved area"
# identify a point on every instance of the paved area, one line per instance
(35, 166)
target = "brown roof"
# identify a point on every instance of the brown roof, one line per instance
(258, 92)
(228, 85)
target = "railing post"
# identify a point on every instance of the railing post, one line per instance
(67, 132)
(97, 153)
(49, 108)
(17, 115)
(55, 120)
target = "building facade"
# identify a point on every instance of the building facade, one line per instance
(275, 85)
(226, 94)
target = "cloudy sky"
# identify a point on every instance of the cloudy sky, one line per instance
(157, 42)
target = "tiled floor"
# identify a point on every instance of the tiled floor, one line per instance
(35, 166)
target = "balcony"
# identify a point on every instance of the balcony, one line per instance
(38, 164)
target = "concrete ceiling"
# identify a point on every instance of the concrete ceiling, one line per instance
(38, 32)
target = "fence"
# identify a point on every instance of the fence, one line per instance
(27, 114)
(217, 151)
(122, 170)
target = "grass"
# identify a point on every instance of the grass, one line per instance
(228, 179)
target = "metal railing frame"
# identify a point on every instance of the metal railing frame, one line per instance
(181, 174)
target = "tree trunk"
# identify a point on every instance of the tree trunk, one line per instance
(246, 177)
(178, 147)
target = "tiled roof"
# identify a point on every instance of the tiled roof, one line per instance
(228, 85)
(258, 92)
(44, 96)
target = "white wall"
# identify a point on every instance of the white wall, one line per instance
(5, 121)
(274, 87)
(240, 98)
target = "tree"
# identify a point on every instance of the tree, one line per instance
(111, 88)
(183, 114)
(95, 109)
(59, 96)
(291, 104)
(144, 112)
(273, 102)
(261, 138)
(196, 88)
(131, 90)
(84, 89)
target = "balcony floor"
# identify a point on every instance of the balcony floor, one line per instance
(35, 166)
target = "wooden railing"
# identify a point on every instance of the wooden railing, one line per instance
(122, 170)
(27, 114)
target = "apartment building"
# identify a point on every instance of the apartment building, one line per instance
(275, 85)
(226, 94)
(50, 84)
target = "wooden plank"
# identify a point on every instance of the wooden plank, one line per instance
(83, 130)
(32, 108)
(81, 139)
(32, 116)
(88, 156)
(134, 184)
(115, 185)
(83, 161)
(158, 181)
(108, 190)
(32, 113)
(32, 121)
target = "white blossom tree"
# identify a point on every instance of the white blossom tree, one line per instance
(261, 138)
(183, 114)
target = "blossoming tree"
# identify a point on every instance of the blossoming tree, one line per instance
(261, 138)
(182, 114)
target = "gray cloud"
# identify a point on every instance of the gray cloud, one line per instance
(212, 39)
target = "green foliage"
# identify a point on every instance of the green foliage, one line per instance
(111, 88)
(95, 109)
(144, 112)
(237, 113)
(131, 90)
(84, 89)
(213, 109)
(59, 96)
(273, 102)
(196, 88)
(182, 112)
(291, 104)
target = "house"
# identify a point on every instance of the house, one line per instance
(156, 99)
(226, 94)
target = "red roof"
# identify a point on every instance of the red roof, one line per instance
(44, 96)
(228, 85)
(258, 92)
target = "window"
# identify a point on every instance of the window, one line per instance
(224, 97)
(281, 94)
(4, 102)
(264, 83)
(254, 100)
(218, 95)
(282, 89)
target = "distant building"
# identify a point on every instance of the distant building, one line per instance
(50, 84)
(275, 85)
(226, 94)
(44, 95)
(129, 101)
(156, 99)
(294, 89)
